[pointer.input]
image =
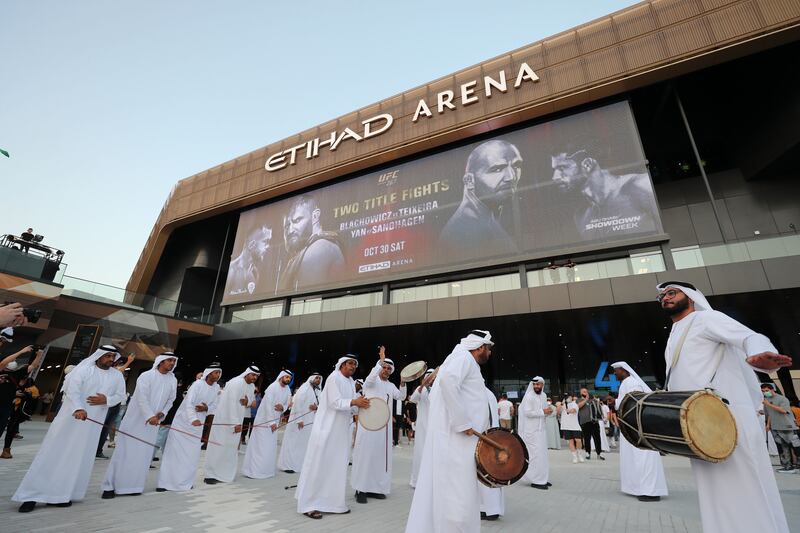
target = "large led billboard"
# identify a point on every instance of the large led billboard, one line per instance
(574, 183)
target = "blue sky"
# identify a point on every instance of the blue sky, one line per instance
(105, 105)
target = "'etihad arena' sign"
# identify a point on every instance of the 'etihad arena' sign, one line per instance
(379, 124)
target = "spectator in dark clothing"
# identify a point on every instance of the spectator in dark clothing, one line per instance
(589, 415)
(11, 375)
(23, 406)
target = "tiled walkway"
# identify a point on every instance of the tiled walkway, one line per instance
(584, 497)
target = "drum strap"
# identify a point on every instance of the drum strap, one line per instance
(677, 353)
(719, 354)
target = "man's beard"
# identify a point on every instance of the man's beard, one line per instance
(295, 243)
(678, 308)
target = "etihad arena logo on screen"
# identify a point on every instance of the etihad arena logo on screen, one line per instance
(448, 100)
(372, 267)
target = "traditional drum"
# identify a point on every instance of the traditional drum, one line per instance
(376, 416)
(413, 371)
(501, 457)
(695, 424)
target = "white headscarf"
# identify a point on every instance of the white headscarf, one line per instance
(91, 360)
(390, 363)
(345, 358)
(163, 357)
(309, 385)
(537, 379)
(252, 369)
(311, 378)
(100, 352)
(209, 370)
(475, 339)
(634, 375)
(700, 302)
(284, 373)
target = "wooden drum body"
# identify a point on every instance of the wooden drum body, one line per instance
(501, 467)
(695, 424)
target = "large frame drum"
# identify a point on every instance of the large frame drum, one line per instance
(376, 416)
(694, 424)
(413, 371)
(501, 467)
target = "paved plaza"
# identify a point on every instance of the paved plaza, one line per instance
(584, 498)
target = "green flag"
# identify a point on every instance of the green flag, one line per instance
(4, 153)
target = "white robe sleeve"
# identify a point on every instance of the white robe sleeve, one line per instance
(399, 394)
(173, 385)
(335, 400)
(212, 405)
(142, 393)
(266, 411)
(530, 410)
(117, 393)
(373, 378)
(721, 328)
(190, 402)
(73, 390)
(450, 383)
(416, 396)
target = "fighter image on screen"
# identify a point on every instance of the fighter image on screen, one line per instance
(246, 271)
(315, 256)
(615, 204)
(491, 177)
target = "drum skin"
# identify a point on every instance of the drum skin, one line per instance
(500, 468)
(413, 371)
(376, 416)
(695, 424)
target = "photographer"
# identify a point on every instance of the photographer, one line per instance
(589, 415)
(11, 375)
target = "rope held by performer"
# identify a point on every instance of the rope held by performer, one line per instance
(122, 432)
(191, 435)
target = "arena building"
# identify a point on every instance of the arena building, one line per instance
(541, 194)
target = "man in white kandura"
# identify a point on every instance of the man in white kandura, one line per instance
(233, 407)
(322, 486)
(298, 431)
(262, 449)
(372, 455)
(182, 452)
(533, 412)
(740, 493)
(493, 500)
(641, 472)
(421, 397)
(61, 470)
(151, 400)
(447, 497)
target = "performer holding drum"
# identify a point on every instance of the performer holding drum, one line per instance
(708, 349)
(372, 456)
(446, 498)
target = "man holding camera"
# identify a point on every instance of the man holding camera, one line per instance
(11, 375)
(589, 414)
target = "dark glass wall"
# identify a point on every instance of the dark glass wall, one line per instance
(567, 348)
